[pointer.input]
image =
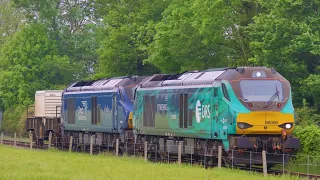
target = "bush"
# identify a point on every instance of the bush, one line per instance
(14, 119)
(310, 139)
(306, 116)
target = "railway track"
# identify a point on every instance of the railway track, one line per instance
(20, 144)
(299, 174)
(279, 172)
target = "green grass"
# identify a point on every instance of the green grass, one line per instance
(35, 164)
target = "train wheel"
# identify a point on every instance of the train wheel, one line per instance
(79, 148)
(151, 156)
(40, 143)
(269, 166)
(211, 162)
(226, 162)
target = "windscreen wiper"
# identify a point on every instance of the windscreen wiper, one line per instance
(276, 94)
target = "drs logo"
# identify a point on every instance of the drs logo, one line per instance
(202, 111)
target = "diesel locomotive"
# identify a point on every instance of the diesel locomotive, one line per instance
(244, 109)
(101, 108)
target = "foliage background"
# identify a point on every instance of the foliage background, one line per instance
(48, 44)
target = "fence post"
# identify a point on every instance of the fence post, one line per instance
(145, 151)
(191, 150)
(308, 166)
(264, 161)
(50, 138)
(205, 155)
(91, 144)
(232, 158)
(127, 148)
(1, 138)
(70, 143)
(31, 139)
(282, 163)
(15, 139)
(134, 148)
(156, 153)
(56, 142)
(179, 153)
(219, 156)
(250, 160)
(168, 154)
(117, 147)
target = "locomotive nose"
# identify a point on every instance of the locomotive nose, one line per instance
(264, 122)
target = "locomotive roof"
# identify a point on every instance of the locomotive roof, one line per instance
(190, 78)
(206, 77)
(104, 84)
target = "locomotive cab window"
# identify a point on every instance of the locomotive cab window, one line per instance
(185, 114)
(95, 111)
(149, 111)
(261, 90)
(225, 92)
(71, 109)
(129, 93)
(121, 95)
(215, 92)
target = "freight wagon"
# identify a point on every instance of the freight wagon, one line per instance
(46, 116)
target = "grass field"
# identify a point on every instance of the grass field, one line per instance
(35, 164)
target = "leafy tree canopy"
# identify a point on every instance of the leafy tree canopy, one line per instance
(29, 63)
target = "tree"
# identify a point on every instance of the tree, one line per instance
(126, 33)
(286, 37)
(10, 20)
(177, 44)
(199, 34)
(71, 24)
(30, 62)
(311, 90)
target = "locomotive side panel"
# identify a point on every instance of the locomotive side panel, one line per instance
(90, 112)
(187, 112)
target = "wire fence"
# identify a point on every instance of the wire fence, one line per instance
(177, 153)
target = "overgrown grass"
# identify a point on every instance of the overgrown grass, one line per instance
(36, 164)
(303, 164)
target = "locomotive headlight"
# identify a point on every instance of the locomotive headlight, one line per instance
(258, 74)
(242, 125)
(286, 126)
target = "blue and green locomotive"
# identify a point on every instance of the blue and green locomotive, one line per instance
(245, 110)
